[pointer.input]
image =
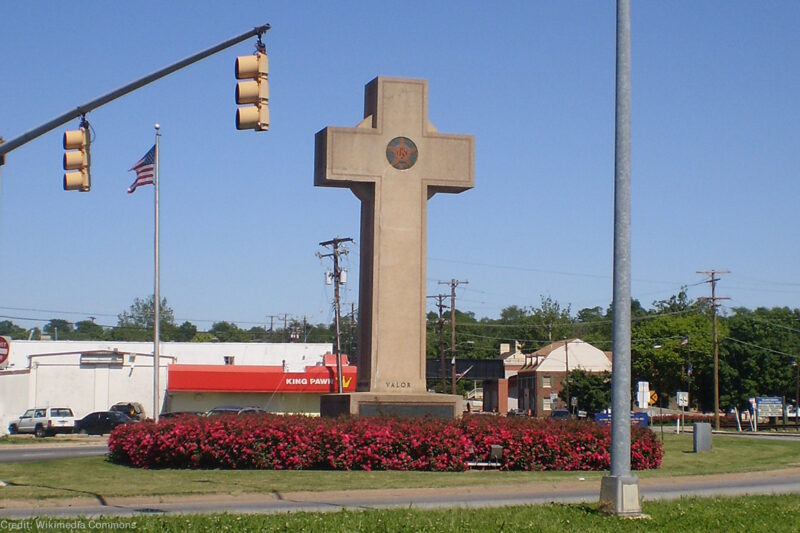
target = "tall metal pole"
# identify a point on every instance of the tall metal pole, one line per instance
(156, 292)
(621, 378)
(619, 491)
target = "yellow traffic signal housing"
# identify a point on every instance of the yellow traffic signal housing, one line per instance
(77, 159)
(256, 91)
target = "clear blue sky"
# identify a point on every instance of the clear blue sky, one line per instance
(715, 164)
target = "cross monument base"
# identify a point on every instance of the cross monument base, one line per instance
(392, 404)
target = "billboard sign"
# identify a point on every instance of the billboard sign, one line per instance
(769, 406)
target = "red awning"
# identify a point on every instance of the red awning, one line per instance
(232, 378)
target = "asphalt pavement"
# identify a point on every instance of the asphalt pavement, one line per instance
(569, 491)
(773, 482)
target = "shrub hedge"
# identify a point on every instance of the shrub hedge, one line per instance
(300, 442)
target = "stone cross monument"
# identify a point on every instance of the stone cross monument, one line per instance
(394, 161)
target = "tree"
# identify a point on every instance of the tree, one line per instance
(141, 314)
(203, 336)
(136, 324)
(88, 330)
(665, 343)
(760, 349)
(674, 304)
(257, 334)
(9, 329)
(593, 391)
(550, 321)
(58, 328)
(228, 332)
(185, 332)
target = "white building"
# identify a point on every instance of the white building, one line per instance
(91, 376)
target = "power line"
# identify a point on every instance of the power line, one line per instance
(760, 347)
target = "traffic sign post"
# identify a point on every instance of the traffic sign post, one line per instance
(642, 394)
(682, 399)
(5, 350)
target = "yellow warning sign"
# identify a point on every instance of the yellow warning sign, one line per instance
(653, 397)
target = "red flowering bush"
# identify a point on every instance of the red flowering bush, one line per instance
(299, 442)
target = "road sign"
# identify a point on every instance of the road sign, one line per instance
(642, 394)
(653, 397)
(4, 351)
(769, 406)
(683, 399)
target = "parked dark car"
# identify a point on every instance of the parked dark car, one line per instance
(235, 410)
(560, 414)
(177, 414)
(132, 409)
(101, 422)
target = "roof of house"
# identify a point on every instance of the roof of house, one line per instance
(577, 353)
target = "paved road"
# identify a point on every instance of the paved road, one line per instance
(776, 482)
(13, 454)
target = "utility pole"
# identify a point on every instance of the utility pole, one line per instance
(440, 325)
(353, 330)
(797, 396)
(285, 326)
(337, 279)
(453, 284)
(713, 279)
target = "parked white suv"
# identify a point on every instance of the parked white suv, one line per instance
(44, 421)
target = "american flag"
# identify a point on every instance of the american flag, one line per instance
(144, 168)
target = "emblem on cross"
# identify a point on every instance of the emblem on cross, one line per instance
(402, 153)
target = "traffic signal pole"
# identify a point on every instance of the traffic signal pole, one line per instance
(125, 89)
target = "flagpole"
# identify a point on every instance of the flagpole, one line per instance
(156, 294)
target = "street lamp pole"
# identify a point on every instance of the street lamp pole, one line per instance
(619, 491)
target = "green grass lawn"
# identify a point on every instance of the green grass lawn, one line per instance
(29, 440)
(751, 514)
(95, 476)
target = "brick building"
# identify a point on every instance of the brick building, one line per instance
(541, 379)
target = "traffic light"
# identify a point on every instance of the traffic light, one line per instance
(77, 160)
(256, 91)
